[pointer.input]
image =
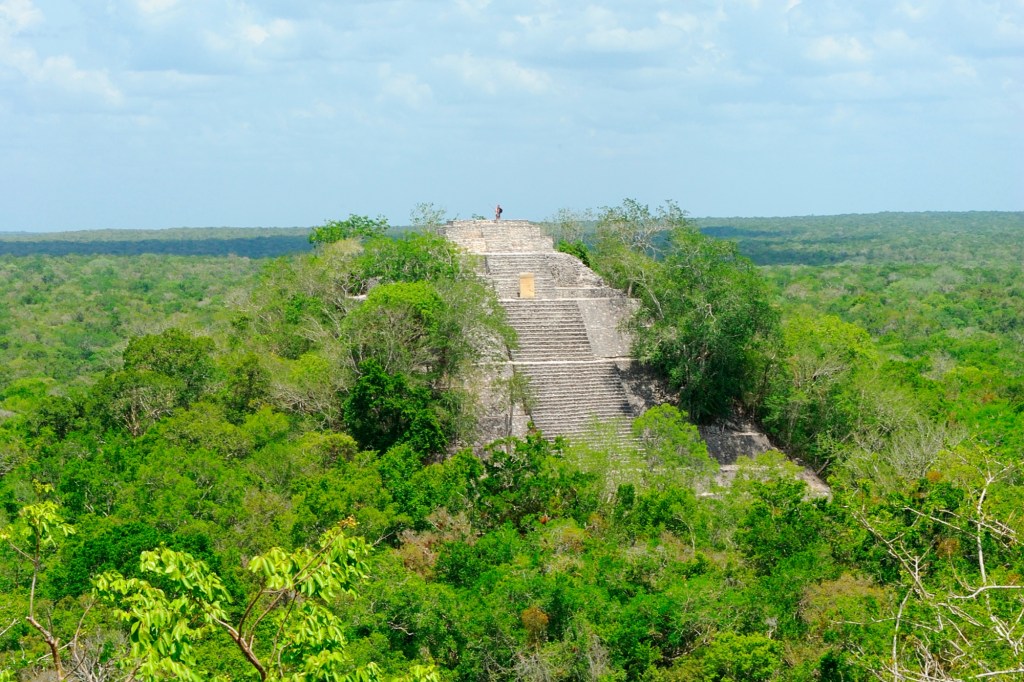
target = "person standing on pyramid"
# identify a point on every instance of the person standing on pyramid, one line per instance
(497, 213)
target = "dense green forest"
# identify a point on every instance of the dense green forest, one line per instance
(224, 468)
(242, 242)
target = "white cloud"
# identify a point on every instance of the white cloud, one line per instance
(534, 21)
(495, 75)
(404, 87)
(257, 34)
(688, 23)
(843, 48)
(247, 39)
(961, 68)
(605, 32)
(318, 110)
(155, 6)
(896, 41)
(18, 15)
(60, 71)
(912, 12)
(619, 39)
(473, 6)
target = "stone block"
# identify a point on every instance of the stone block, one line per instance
(527, 285)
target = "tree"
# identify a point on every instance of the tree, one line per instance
(732, 657)
(35, 534)
(382, 410)
(428, 217)
(569, 226)
(176, 355)
(134, 400)
(246, 385)
(805, 405)
(353, 227)
(286, 632)
(949, 547)
(672, 446)
(634, 226)
(705, 321)
(411, 258)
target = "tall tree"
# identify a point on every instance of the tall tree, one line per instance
(706, 321)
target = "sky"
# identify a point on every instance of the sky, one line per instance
(190, 113)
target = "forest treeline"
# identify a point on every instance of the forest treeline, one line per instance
(800, 240)
(248, 247)
(966, 238)
(224, 468)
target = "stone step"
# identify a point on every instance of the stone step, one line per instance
(549, 330)
(570, 395)
(571, 386)
(529, 308)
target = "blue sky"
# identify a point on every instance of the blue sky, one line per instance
(161, 113)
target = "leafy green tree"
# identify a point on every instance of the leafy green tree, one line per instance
(175, 355)
(672, 447)
(287, 630)
(779, 524)
(134, 400)
(806, 403)
(526, 479)
(382, 410)
(742, 658)
(634, 226)
(706, 321)
(949, 547)
(413, 257)
(204, 426)
(348, 489)
(428, 217)
(36, 533)
(407, 327)
(353, 227)
(246, 386)
(577, 249)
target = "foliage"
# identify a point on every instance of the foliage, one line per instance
(954, 558)
(533, 559)
(39, 528)
(672, 447)
(382, 410)
(974, 238)
(635, 227)
(412, 258)
(353, 227)
(732, 658)
(427, 217)
(569, 226)
(577, 249)
(426, 320)
(291, 604)
(70, 317)
(706, 320)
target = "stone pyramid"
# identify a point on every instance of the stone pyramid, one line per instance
(572, 349)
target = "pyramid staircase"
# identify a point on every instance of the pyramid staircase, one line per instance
(570, 347)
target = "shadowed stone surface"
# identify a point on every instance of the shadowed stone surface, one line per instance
(727, 441)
